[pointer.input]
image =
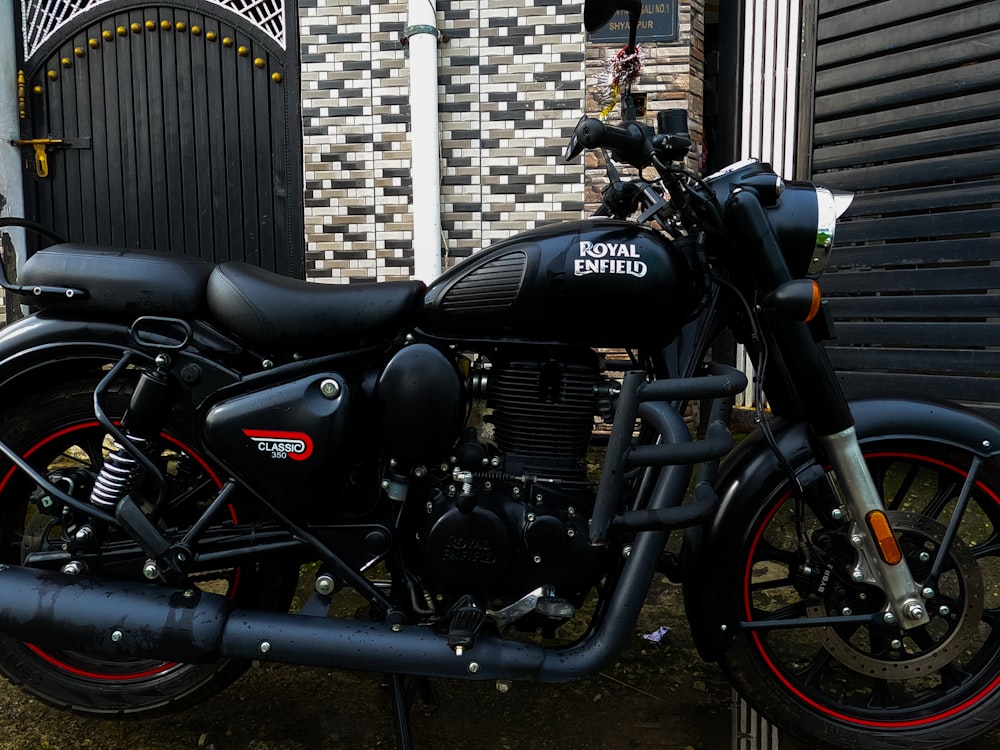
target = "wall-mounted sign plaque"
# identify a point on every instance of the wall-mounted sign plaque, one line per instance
(658, 23)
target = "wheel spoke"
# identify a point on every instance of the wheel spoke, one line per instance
(989, 548)
(881, 695)
(202, 489)
(769, 553)
(817, 666)
(776, 583)
(922, 638)
(946, 492)
(991, 617)
(953, 676)
(93, 446)
(904, 486)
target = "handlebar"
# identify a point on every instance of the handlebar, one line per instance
(596, 134)
(631, 142)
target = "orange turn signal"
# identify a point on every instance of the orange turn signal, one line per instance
(888, 549)
(817, 300)
(799, 299)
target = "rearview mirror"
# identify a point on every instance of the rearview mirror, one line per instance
(597, 13)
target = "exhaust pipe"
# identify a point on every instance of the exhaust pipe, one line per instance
(111, 618)
(130, 619)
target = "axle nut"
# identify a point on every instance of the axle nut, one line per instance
(913, 611)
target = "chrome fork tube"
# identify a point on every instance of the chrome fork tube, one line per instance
(905, 606)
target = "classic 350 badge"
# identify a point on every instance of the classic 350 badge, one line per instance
(280, 444)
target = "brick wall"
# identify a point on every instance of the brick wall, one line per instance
(513, 83)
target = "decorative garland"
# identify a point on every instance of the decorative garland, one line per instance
(615, 81)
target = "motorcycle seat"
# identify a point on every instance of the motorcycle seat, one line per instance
(277, 312)
(117, 281)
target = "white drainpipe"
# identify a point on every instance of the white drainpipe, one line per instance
(10, 156)
(425, 170)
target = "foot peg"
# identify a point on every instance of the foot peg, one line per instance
(467, 618)
(542, 600)
(554, 607)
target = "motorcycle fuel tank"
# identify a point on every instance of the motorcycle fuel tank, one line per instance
(597, 282)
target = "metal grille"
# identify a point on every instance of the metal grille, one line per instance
(42, 19)
(751, 731)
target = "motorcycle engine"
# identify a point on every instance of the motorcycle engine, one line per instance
(512, 512)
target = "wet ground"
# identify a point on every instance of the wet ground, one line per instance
(657, 696)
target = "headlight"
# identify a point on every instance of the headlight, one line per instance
(830, 206)
(802, 215)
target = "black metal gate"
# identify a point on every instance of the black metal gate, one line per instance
(907, 99)
(172, 128)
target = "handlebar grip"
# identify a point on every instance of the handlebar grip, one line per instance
(596, 134)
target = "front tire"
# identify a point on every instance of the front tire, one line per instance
(56, 431)
(872, 685)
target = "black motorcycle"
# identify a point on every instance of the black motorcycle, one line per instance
(180, 439)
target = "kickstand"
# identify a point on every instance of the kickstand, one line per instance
(403, 692)
(401, 712)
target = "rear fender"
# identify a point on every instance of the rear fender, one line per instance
(751, 474)
(42, 348)
(46, 348)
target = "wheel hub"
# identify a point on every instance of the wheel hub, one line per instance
(955, 610)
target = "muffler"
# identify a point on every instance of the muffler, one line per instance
(131, 619)
(127, 619)
(109, 617)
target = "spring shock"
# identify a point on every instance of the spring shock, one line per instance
(147, 411)
(117, 476)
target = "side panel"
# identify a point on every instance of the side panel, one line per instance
(289, 441)
(752, 473)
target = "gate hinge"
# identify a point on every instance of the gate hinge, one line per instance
(22, 106)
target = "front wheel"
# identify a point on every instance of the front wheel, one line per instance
(868, 683)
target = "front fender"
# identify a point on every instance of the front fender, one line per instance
(751, 473)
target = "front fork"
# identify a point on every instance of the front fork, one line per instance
(814, 390)
(877, 559)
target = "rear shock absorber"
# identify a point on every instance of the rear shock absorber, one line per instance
(146, 415)
(117, 475)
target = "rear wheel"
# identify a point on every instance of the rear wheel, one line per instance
(871, 684)
(55, 430)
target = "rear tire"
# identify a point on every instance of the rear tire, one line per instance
(55, 429)
(872, 686)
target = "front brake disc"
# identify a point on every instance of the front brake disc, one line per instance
(895, 653)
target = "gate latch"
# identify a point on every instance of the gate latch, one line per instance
(41, 147)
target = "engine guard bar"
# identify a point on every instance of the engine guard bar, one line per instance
(669, 513)
(653, 401)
